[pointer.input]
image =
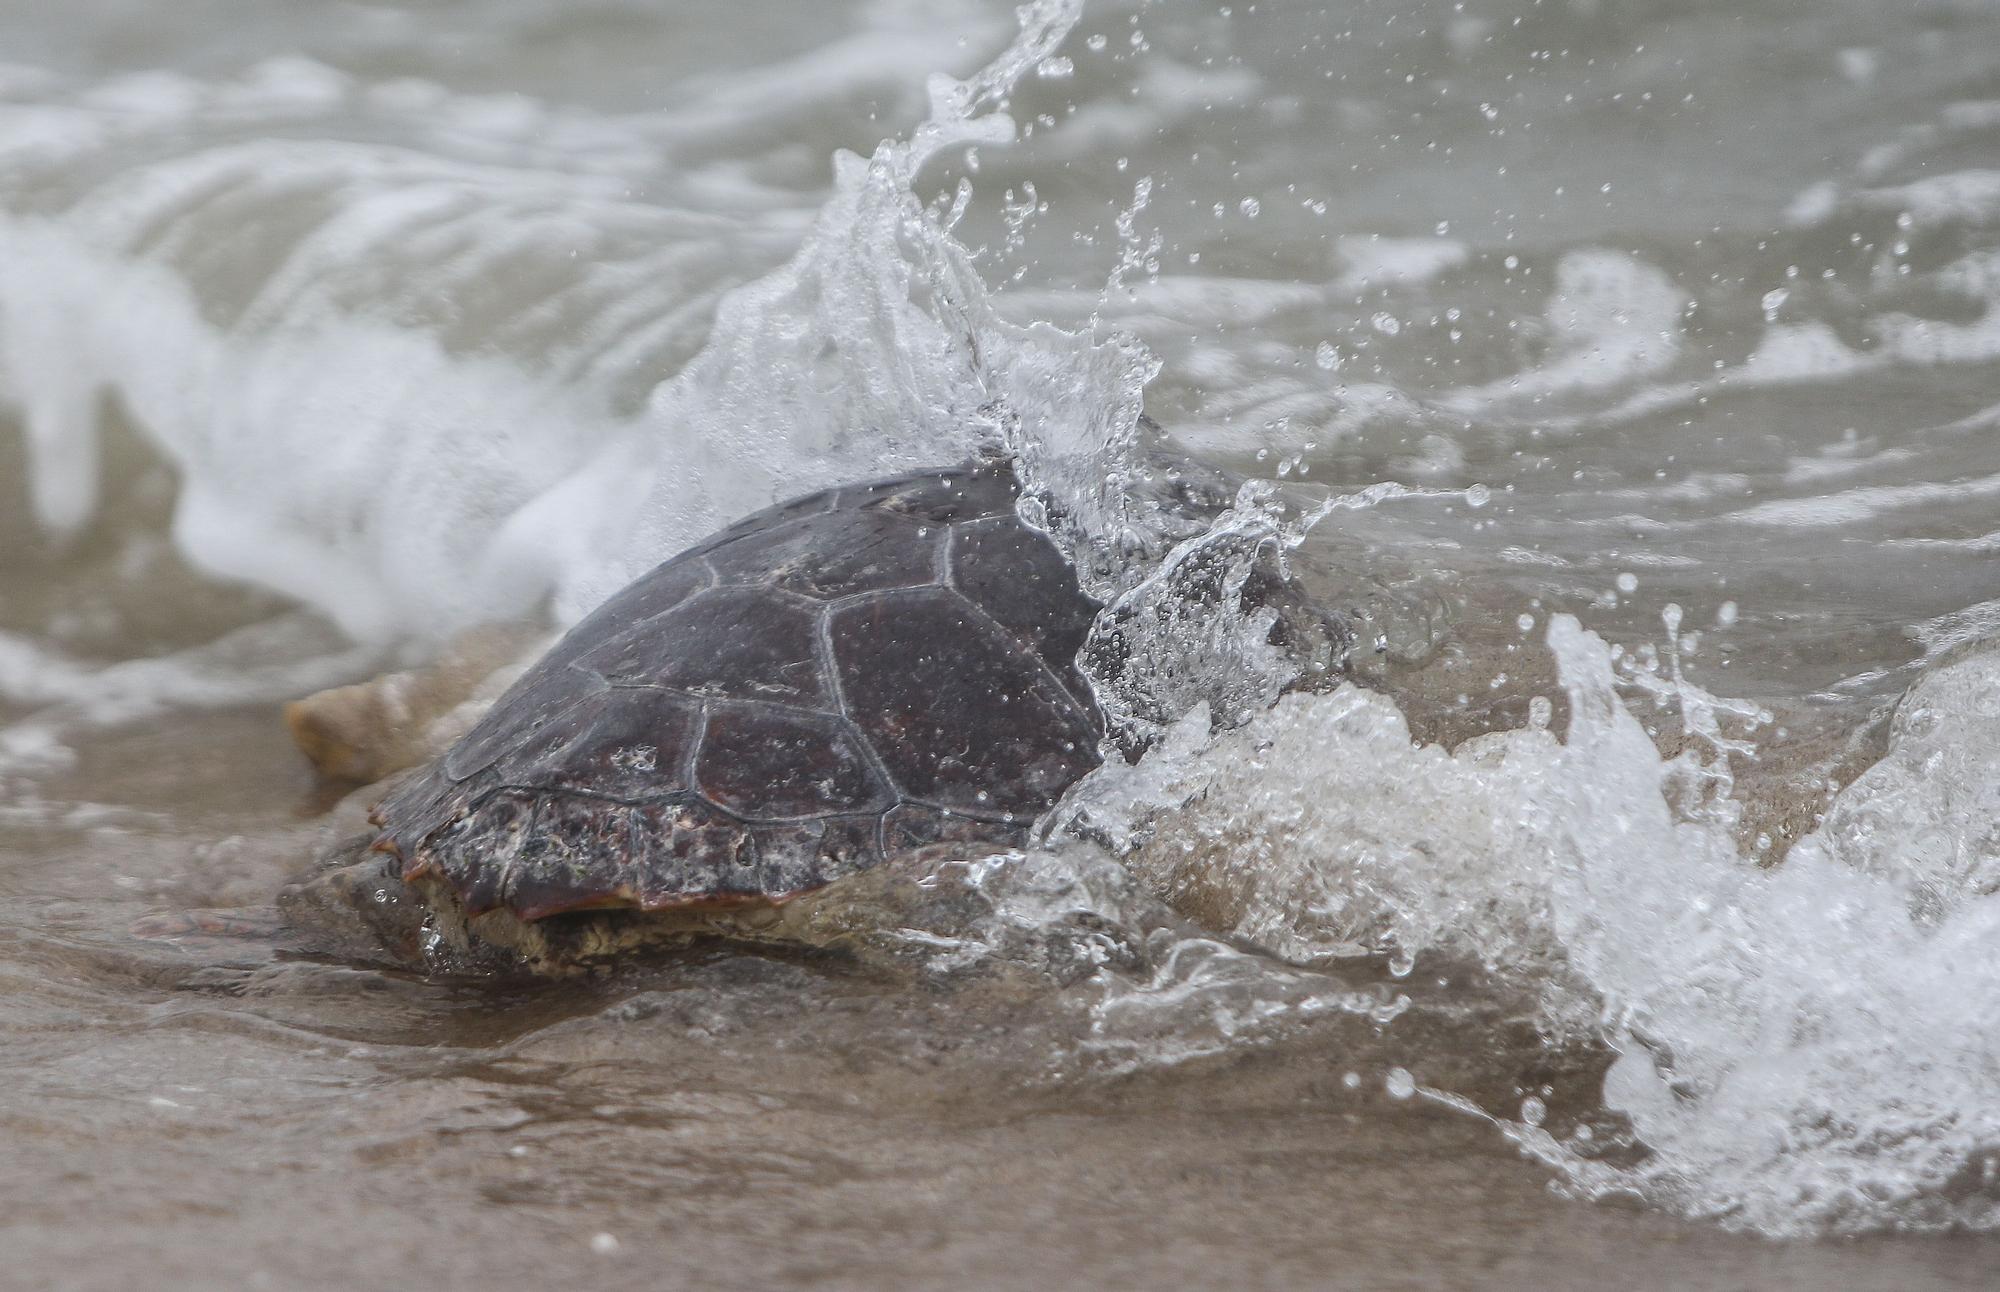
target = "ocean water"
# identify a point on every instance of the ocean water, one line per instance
(1628, 370)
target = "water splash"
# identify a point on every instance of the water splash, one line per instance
(603, 395)
(1801, 1049)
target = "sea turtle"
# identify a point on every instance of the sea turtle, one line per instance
(826, 685)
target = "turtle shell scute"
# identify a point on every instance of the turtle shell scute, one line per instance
(834, 555)
(763, 762)
(940, 497)
(1016, 575)
(965, 719)
(532, 705)
(625, 744)
(745, 643)
(650, 595)
(476, 852)
(578, 854)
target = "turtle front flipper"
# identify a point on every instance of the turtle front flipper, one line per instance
(355, 906)
(352, 906)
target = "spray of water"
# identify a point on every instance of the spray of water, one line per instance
(1800, 1049)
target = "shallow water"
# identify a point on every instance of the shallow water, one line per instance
(214, 1115)
(1540, 961)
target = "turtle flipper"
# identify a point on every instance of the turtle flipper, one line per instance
(351, 906)
(355, 906)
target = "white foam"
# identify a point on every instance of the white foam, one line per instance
(1614, 319)
(1926, 817)
(1853, 506)
(1969, 196)
(1385, 845)
(1802, 1049)
(1798, 1051)
(1375, 261)
(275, 660)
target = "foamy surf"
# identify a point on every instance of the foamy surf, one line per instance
(1804, 1048)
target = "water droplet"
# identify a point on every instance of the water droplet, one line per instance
(1250, 207)
(1096, 44)
(603, 1244)
(1352, 1081)
(1628, 582)
(1326, 356)
(1055, 69)
(1401, 962)
(1387, 324)
(1400, 1084)
(1526, 623)
(1725, 614)
(1478, 496)
(1533, 1110)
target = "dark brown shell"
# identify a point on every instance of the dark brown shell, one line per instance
(810, 691)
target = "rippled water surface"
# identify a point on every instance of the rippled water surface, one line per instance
(1628, 370)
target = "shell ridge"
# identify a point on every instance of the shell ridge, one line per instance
(880, 594)
(796, 598)
(987, 816)
(757, 781)
(666, 798)
(941, 570)
(829, 666)
(692, 758)
(703, 697)
(503, 879)
(1049, 675)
